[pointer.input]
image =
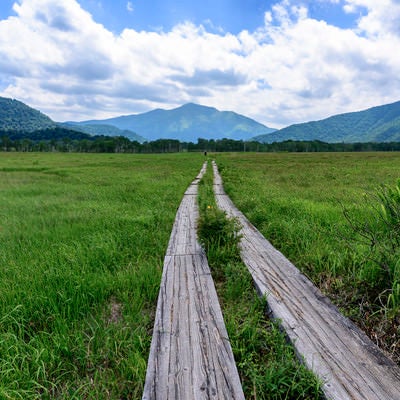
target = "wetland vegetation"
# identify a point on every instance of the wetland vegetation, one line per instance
(82, 242)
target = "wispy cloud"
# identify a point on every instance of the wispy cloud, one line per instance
(129, 6)
(292, 69)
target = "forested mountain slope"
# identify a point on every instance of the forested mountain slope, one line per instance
(17, 116)
(377, 124)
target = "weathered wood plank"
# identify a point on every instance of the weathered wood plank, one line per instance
(190, 355)
(349, 364)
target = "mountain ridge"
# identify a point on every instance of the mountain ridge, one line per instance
(188, 122)
(102, 129)
(191, 121)
(375, 124)
(16, 115)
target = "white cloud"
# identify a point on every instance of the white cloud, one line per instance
(378, 18)
(129, 6)
(292, 69)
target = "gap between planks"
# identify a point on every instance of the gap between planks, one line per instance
(190, 355)
(349, 364)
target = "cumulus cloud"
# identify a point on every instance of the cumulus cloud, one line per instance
(378, 18)
(292, 69)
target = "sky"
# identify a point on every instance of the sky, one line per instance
(279, 62)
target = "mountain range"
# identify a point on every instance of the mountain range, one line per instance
(192, 121)
(376, 124)
(187, 124)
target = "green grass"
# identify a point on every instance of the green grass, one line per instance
(82, 241)
(267, 364)
(299, 203)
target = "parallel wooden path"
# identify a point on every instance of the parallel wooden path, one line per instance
(190, 356)
(349, 364)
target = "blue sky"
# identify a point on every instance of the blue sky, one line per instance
(229, 15)
(277, 61)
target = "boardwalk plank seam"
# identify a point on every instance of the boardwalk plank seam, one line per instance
(190, 355)
(347, 361)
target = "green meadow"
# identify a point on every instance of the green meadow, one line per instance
(336, 216)
(267, 364)
(82, 242)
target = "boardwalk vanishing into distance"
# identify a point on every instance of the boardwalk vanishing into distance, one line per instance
(350, 365)
(190, 356)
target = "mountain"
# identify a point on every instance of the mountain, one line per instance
(377, 124)
(17, 116)
(102, 129)
(187, 123)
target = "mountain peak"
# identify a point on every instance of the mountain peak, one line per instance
(194, 106)
(188, 123)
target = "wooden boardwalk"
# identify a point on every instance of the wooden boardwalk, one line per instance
(349, 364)
(190, 356)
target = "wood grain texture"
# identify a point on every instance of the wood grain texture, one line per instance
(346, 360)
(190, 355)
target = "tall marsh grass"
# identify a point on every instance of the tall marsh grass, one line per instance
(308, 205)
(82, 241)
(267, 364)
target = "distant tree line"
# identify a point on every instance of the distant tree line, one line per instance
(65, 140)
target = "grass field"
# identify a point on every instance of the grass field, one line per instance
(267, 364)
(299, 202)
(82, 241)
